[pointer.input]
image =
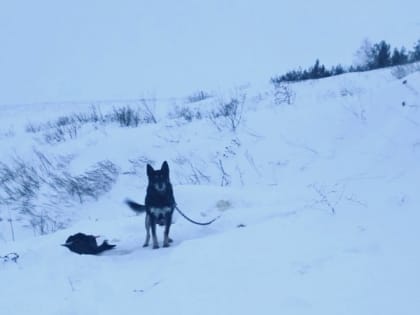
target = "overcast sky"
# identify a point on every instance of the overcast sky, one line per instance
(85, 50)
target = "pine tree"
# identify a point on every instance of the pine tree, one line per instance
(381, 55)
(415, 54)
(338, 69)
(399, 57)
(318, 71)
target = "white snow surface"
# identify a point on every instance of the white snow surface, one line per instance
(319, 210)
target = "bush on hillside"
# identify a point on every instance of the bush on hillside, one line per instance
(185, 113)
(67, 127)
(283, 94)
(228, 114)
(317, 71)
(23, 183)
(198, 97)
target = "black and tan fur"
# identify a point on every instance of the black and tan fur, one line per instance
(159, 204)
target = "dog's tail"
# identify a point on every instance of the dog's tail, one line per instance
(135, 206)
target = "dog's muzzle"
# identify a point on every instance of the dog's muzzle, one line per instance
(160, 187)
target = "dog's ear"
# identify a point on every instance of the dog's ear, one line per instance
(165, 168)
(150, 170)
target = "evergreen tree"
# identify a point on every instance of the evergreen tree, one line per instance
(315, 70)
(381, 55)
(368, 57)
(415, 54)
(338, 69)
(318, 71)
(399, 57)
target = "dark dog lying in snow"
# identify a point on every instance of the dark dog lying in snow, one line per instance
(159, 204)
(86, 244)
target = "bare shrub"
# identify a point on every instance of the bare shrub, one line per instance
(42, 223)
(283, 94)
(68, 127)
(138, 165)
(127, 116)
(10, 257)
(62, 132)
(186, 114)
(20, 180)
(33, 128)
(327, 198)
(193, 174)
(402, 71)
(148, 111)
(23, 183)
(198, 97)
(229, 114)
(226, 178)
(89, 185)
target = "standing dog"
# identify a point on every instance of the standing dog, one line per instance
(159, 204)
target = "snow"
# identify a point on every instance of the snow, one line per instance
(319, 214)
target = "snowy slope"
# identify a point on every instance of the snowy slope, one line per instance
(319, 207)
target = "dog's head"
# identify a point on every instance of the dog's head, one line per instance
(159, 179)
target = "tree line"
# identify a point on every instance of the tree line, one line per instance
(371, 56)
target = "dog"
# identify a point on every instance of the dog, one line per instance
(81, 243)
(159, 204)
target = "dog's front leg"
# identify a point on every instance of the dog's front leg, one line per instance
(168, 222)
(153, 227)
(147, 226)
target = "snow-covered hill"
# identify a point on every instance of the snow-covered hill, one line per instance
(318, 202)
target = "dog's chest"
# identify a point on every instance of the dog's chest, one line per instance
(160, 211)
